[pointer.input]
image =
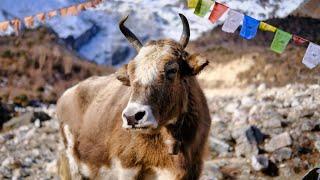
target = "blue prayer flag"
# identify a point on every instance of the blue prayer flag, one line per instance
(249, 28)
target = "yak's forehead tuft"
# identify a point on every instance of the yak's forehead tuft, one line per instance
(147, 61)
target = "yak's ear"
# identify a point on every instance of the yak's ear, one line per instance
(195, 64)
(122, 75)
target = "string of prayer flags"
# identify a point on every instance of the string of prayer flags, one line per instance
(267, 27)
(249, 28)
(280, 41)
(217, 11)
(41, 17)
(4, 26)
(52, 14)
(192, 3)
(29, 21)
(203, 6)
(233, 21)
(312, 56)
(299, 40)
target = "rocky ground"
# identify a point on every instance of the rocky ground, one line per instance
(265, 132)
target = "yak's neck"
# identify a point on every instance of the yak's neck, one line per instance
(188, 121)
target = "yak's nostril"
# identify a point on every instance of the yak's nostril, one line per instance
(139, 115)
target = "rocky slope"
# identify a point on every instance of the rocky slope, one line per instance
(35, 66)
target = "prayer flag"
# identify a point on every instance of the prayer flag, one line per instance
(280, 41)
(16, 25)
(72, 10)
(233, 21)
(299, 40)
(51, 14)
(4, 26)
(203, 7)
(64, 11)
(41, 17)
(217, 11)
(267, 27)
(28, 21)
(249, 28)
(192, 3)
(312, 56)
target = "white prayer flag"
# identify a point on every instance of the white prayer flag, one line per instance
(312, 56)
(233, 21)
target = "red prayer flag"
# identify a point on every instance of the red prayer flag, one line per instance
(217, 11)
(299, 40)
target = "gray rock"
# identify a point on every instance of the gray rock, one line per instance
(247, 102)
(282, 154)
(278, 141)
(16, 122)
(307, 125)
(259, 162)
(25, 119)
(317, 145)
(211, 171)
(245, 149)
(254, 135)
(218, 145)
(220, 131)
(272, 123)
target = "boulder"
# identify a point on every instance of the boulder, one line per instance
(282, 154)
(259, 162)
(25, 119)
(278, 141)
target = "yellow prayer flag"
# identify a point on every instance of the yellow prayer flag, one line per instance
(28, 21)
(267, 27)
(192, 3)
(4, 26)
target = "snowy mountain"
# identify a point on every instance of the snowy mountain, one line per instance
(95, 36)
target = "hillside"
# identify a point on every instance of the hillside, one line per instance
(34, 66)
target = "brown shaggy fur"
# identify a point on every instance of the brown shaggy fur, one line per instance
(92, 110)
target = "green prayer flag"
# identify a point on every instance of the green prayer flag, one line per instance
(280, 41)
(192, 3)
(203, 6)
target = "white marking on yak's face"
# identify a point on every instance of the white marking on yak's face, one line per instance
(146, 63)
(146, 121)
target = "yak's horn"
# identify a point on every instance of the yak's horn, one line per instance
(184, 39)
(129, 35)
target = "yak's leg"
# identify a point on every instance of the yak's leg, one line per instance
(63, 167)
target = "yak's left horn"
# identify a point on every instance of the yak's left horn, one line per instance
(129, 35)
(184, 39)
